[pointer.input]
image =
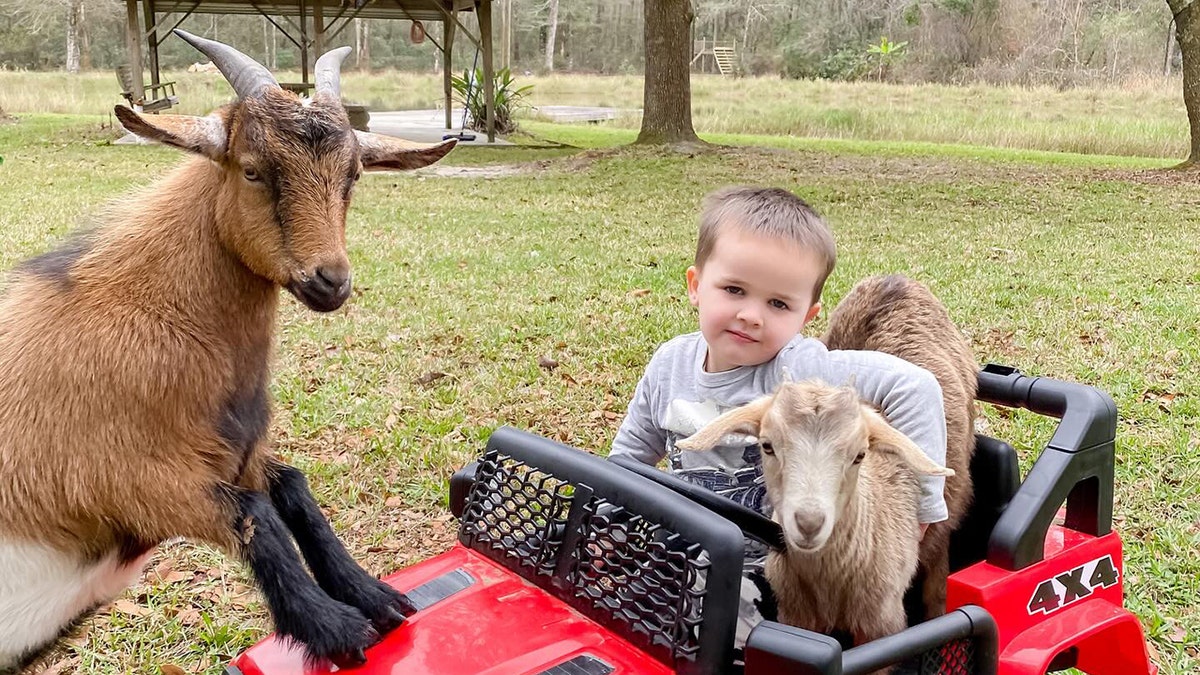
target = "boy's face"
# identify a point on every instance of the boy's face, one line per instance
(754, 294)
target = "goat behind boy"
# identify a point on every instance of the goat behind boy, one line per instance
(134, 400)
(843, 483)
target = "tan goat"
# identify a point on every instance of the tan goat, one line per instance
(828, 455)
(134, 399)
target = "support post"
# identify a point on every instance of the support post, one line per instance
(151, 40)
(448, 68)
(133, 44)
(485, 29)
(303, 43)
(318, 28)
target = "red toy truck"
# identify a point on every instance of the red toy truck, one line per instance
(568, 564)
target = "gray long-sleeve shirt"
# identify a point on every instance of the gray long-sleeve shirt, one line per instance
(676, 397)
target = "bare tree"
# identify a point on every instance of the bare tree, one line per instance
(362, 44)
(667, 93)
(1187, 32)
(74, 14)
(551, 34)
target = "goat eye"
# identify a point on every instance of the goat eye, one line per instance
(250, 174)
(766, 447)
(859, 458)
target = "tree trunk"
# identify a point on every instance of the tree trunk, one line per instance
(1187, 32)
(362, 44)
(551, 34)
(85, 42)
(667, 96)
(74, 9)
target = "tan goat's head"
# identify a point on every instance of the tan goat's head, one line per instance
(814, 438)
(288, 167)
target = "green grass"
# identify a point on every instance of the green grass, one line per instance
(1081, 268)
(1142, 117)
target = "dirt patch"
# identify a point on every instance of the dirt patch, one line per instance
(494, 171)
(5, 118)
(1169, 177)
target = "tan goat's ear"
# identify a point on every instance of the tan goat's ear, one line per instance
(201, 135)
(885, 438)
(743, 420)
(386, 152)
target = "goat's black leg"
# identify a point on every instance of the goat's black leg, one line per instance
(303, 612)
(341, 577)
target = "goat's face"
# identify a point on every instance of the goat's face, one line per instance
(288, 166)
(814, 439)
(289, 174)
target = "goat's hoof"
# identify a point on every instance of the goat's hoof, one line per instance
(387, 614)
(351, 659)
(342, 638)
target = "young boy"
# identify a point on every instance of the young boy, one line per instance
(761, 261)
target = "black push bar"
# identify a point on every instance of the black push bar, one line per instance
(1076, 466)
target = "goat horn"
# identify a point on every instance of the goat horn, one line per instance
(244, 73)
(328, 72)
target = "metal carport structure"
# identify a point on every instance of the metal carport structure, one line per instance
(309, 24)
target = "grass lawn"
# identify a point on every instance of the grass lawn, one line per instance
(1081, 268)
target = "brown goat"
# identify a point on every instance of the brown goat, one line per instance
(901, 317)
(134, 372)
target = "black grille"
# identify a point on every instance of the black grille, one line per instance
(956, 657)
(619, 566)
(638, 567)
(644, 576)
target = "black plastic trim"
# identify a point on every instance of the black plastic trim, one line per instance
(460, 487)
(751, 522)
(966, 622)
(439, 588)
(584, 664)
(1076, 466)
(775, 648)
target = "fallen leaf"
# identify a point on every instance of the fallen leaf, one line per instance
(130, 608)
(638, 293)
(189, 617)
(1178, 634)
(175, 576)
(171, 669)
(547, 362)
(59, 666)
(393, 502)
(430, 377)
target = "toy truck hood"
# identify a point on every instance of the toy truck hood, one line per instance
(476, 618)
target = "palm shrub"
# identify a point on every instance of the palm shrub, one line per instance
(468, 92)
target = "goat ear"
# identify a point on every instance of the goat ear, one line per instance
(201, 135)
(885, 438)
(385, 152)
(743, 420)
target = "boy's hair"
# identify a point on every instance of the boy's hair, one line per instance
(768, 212)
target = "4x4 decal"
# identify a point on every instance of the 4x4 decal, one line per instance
(1057, 592)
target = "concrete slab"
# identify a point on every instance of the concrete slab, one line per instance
(423, 126)
(428, 126)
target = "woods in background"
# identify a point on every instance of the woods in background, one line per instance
(1061, 42)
